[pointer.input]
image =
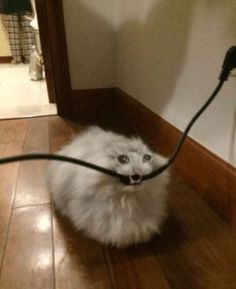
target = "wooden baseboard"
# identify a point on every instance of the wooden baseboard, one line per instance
(6, 59)
(90, 102)
(209, 175)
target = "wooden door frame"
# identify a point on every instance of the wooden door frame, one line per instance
(54, 49)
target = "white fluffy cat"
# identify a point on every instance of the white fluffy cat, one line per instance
(102, 206)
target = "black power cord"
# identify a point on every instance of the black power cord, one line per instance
(228, 64)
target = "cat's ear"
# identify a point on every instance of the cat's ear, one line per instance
(137, 139)
(137, 144)
(159, 160)
(95, 129)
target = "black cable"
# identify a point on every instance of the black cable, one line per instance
(36, 156)
(228, 64)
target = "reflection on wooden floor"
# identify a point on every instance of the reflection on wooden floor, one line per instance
(40, 249)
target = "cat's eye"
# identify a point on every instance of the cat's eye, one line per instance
(147, 157)
(123, 159)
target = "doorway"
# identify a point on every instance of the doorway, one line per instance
(27, 86)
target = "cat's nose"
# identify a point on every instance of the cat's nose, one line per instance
(136, 179)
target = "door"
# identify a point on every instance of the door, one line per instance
(54, 50)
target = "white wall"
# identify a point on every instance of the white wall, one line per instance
(90, 31)
(169, 58)
(165, 53)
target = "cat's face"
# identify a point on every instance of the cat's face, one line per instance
(132, 158)
(132, 163)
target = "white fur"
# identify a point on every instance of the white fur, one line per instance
(102, 206)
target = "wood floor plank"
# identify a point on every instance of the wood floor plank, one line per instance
(59, 127)
(136, 268)
(62, 131)
(14, 130)
(28, 262)
(31, 187)
(8, 177)
(196, 250)
(79, 261)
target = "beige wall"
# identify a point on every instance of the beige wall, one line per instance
(169, 58)
(4, 45)
(165, 53)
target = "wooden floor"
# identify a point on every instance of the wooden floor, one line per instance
(38, 249)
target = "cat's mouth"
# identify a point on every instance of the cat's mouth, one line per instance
(135, 179)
